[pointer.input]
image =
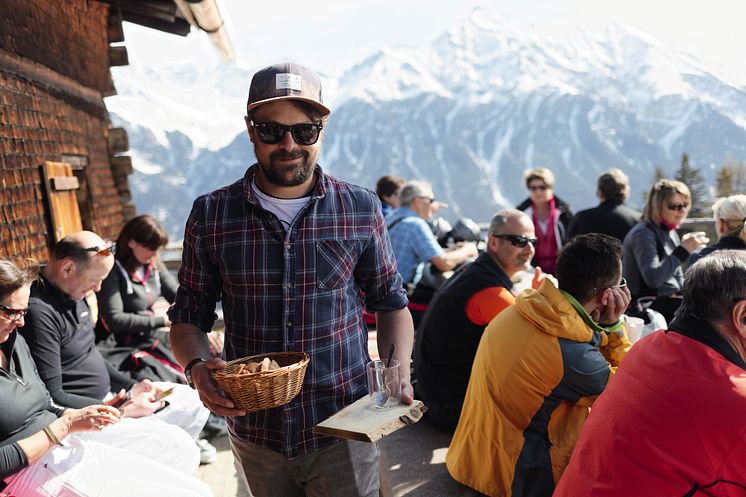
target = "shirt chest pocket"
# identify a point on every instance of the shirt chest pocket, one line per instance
(335, 263)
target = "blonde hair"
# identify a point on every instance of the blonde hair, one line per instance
(732, 210)
(660, 195)
(541, 173)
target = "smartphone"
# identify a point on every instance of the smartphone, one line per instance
(127, 397)
(164, 394)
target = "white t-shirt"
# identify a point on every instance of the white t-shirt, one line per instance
(284, 208)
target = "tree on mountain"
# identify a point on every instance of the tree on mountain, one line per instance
(724, 181)
(692, 177)
(731, 178)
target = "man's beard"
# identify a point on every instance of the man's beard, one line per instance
(277, 175)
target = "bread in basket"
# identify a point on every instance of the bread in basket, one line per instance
(263, 389)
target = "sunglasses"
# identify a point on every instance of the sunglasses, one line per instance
(622, 284)
(13, 314)
(109, 248)
(678, 207)
(536, 188)
(519, 241)
(272, 133)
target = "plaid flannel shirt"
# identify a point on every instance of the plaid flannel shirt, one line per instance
(296, 290)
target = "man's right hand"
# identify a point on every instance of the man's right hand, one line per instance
(209, 391)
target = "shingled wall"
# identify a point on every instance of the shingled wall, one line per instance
(54, 72)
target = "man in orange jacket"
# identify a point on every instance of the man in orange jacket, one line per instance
(448, 337)
(539, 366)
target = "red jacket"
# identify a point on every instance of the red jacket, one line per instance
(672, 422)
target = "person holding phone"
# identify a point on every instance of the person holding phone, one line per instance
(44, 446)
(59, 332)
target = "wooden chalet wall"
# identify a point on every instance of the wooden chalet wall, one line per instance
(54, 73)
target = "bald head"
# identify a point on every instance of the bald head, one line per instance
(79, 263)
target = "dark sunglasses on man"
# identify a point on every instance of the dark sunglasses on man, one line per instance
(13, 314)
(519, 241)
(272, 133)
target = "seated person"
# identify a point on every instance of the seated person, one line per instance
(60, 335)
(671, 421)
(538, 368)
(387, 189)
(97, 446)
(449, 334)
(611, 216)
(412, 239)
(131, 336)
(730, 226)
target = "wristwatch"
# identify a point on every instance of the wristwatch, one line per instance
(188, 370)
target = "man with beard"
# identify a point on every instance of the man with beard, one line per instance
(448, 337)
(293, 254)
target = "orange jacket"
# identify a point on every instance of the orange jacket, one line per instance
(537, 370)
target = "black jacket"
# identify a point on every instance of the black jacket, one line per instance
(446, 340)
(725, 243)
(610, 217)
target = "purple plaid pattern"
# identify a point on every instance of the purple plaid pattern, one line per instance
(300, 290)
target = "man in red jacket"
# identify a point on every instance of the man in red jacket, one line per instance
(671, 422)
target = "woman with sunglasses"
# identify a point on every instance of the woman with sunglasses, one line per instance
(551, 217)
(653, 252)
(730, 225)
(133, 334)
(49, 451)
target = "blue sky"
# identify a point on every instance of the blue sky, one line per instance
(331, 35)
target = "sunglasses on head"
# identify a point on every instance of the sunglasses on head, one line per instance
(519, 241)
(109, 248)
(13, 314)
(272, 133)
(678, 207)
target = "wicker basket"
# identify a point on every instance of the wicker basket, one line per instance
(266, 389)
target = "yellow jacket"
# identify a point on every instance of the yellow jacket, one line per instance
(537, 370)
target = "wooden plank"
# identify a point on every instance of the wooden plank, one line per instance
(63, 205)
(363, 422)
(63, 183)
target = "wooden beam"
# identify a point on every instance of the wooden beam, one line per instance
(122, 164)
(118, 141)
(177, 26)
(118, 56)
(114, 26)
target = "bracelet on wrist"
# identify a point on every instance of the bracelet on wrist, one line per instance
(51, 436)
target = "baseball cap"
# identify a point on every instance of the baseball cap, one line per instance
(286, 81)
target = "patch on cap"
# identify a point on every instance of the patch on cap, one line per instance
(287, 81)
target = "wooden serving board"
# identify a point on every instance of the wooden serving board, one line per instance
(361, 421)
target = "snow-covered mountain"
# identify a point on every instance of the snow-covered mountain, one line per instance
(468, 113)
